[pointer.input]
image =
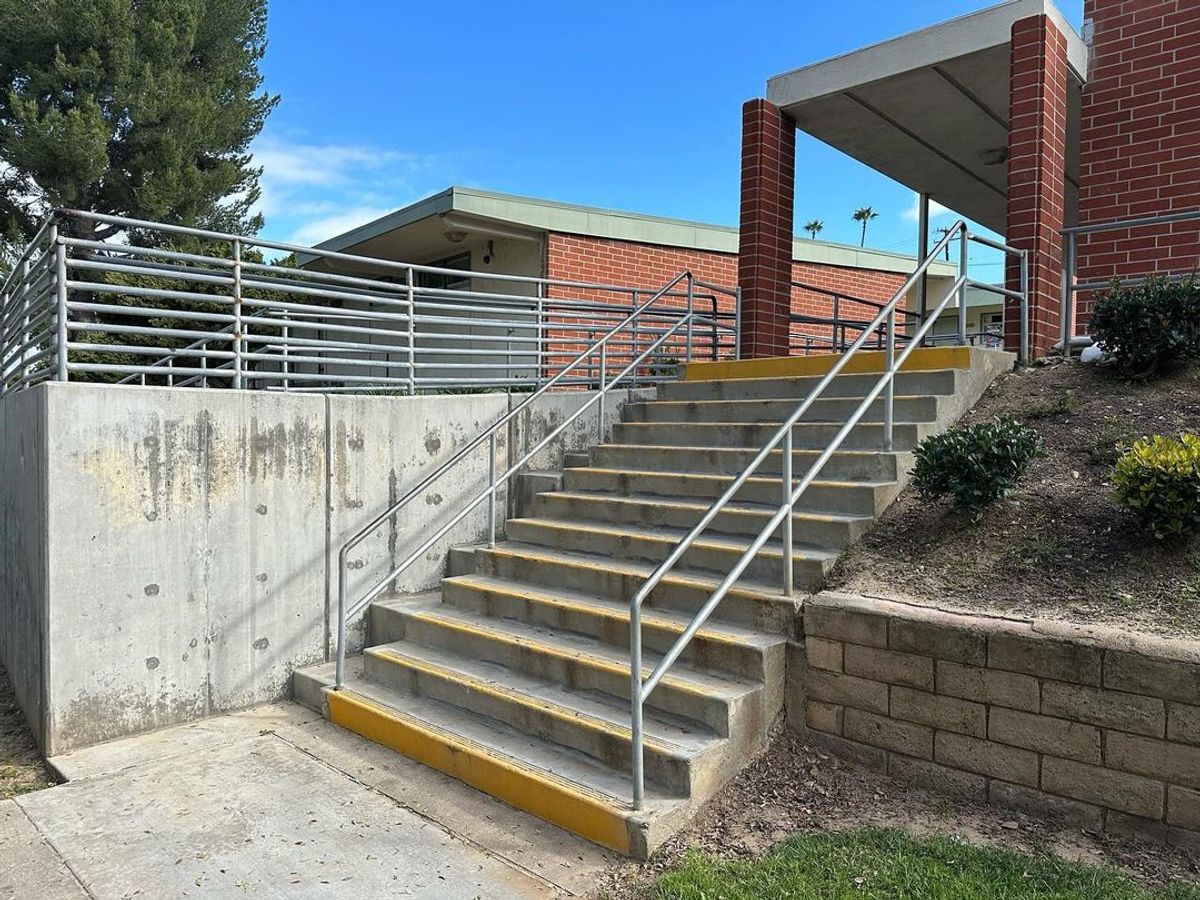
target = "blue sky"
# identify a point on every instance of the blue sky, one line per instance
(618, 104)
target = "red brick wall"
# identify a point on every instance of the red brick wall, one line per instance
(1140, 136)
(1036, 174)
(597, 260)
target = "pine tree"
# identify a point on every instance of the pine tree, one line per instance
(143, 108)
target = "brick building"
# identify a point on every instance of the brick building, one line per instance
(1015, 120)
(481, 231)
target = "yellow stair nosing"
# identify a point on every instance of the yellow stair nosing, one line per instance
(801, 554)
(581, 656)
(551, 708)
(613, 565)
(648, 617)
(545, 794)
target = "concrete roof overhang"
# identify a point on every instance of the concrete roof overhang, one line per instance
(930, 109)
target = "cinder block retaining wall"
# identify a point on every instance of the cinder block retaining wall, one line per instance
(1092, 724)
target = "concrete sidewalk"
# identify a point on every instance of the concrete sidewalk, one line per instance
(274, 802)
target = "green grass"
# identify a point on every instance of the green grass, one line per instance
(874, 864)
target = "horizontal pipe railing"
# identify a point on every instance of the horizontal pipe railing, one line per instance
(129, 301)
(1071, 288)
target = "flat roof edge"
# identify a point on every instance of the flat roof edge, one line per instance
(609, 224)
(960, 36)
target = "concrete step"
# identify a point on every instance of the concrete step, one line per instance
(922, 408)
(741, 651)
(555, 783)
(574, 660)
(824, 495)
(942, 381)
(756, 606)
(805, 435)
(710, 553)
(844, 465)
(591, 723)
(830, 530)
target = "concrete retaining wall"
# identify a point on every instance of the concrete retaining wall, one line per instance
(1099, 726)
(172, 553)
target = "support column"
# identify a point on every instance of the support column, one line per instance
(1036, 175)
(765, 240)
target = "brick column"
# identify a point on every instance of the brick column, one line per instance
(1036, 174)
(765, 240)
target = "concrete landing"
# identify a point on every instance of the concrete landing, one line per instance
(275, 802)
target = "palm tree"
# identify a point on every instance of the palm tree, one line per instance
(864, 215)
(814, 228)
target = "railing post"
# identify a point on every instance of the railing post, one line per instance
(204, 366)
(833, 337)
(237, 313)
(634, 337)
(541, 335)
(61, 372)
(410, 286)
(963, 250)
(286, 333)
(691, 299)
(786, 481)
(1024, 351)
(1067, 303)
(637, 769)
(600, 399)
(737, 324)
(491, 504)
(889, 397)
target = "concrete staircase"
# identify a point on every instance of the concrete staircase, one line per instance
(514, 677)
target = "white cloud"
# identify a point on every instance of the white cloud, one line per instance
(913, 212)
(321, 229)
(313, 191)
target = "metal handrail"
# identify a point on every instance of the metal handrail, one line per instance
(488, 435)
(641, 689)
(1070, 288)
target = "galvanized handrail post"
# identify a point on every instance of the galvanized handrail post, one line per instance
(61, 372)
(540, 331)
(1025, 350)
(787, 531)
(238, 345)
(634, 339)
(491, 504)
(691, 299)
(637, 768)
(410, 289)
(603, 389)
(1067, 302)
(964, 249)
(889, 397)
(737, 324)
(286, 334)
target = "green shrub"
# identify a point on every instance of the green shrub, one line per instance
(1159, 480)
(1149, 328)
(975, 464)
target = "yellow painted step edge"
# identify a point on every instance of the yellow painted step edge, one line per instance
(607, 566)
(554, 710)
(539, 793)
(609, 615)
(549, 650)
(921, 360)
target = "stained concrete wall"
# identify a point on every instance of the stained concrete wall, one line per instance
(23, 549)
(171, 553)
